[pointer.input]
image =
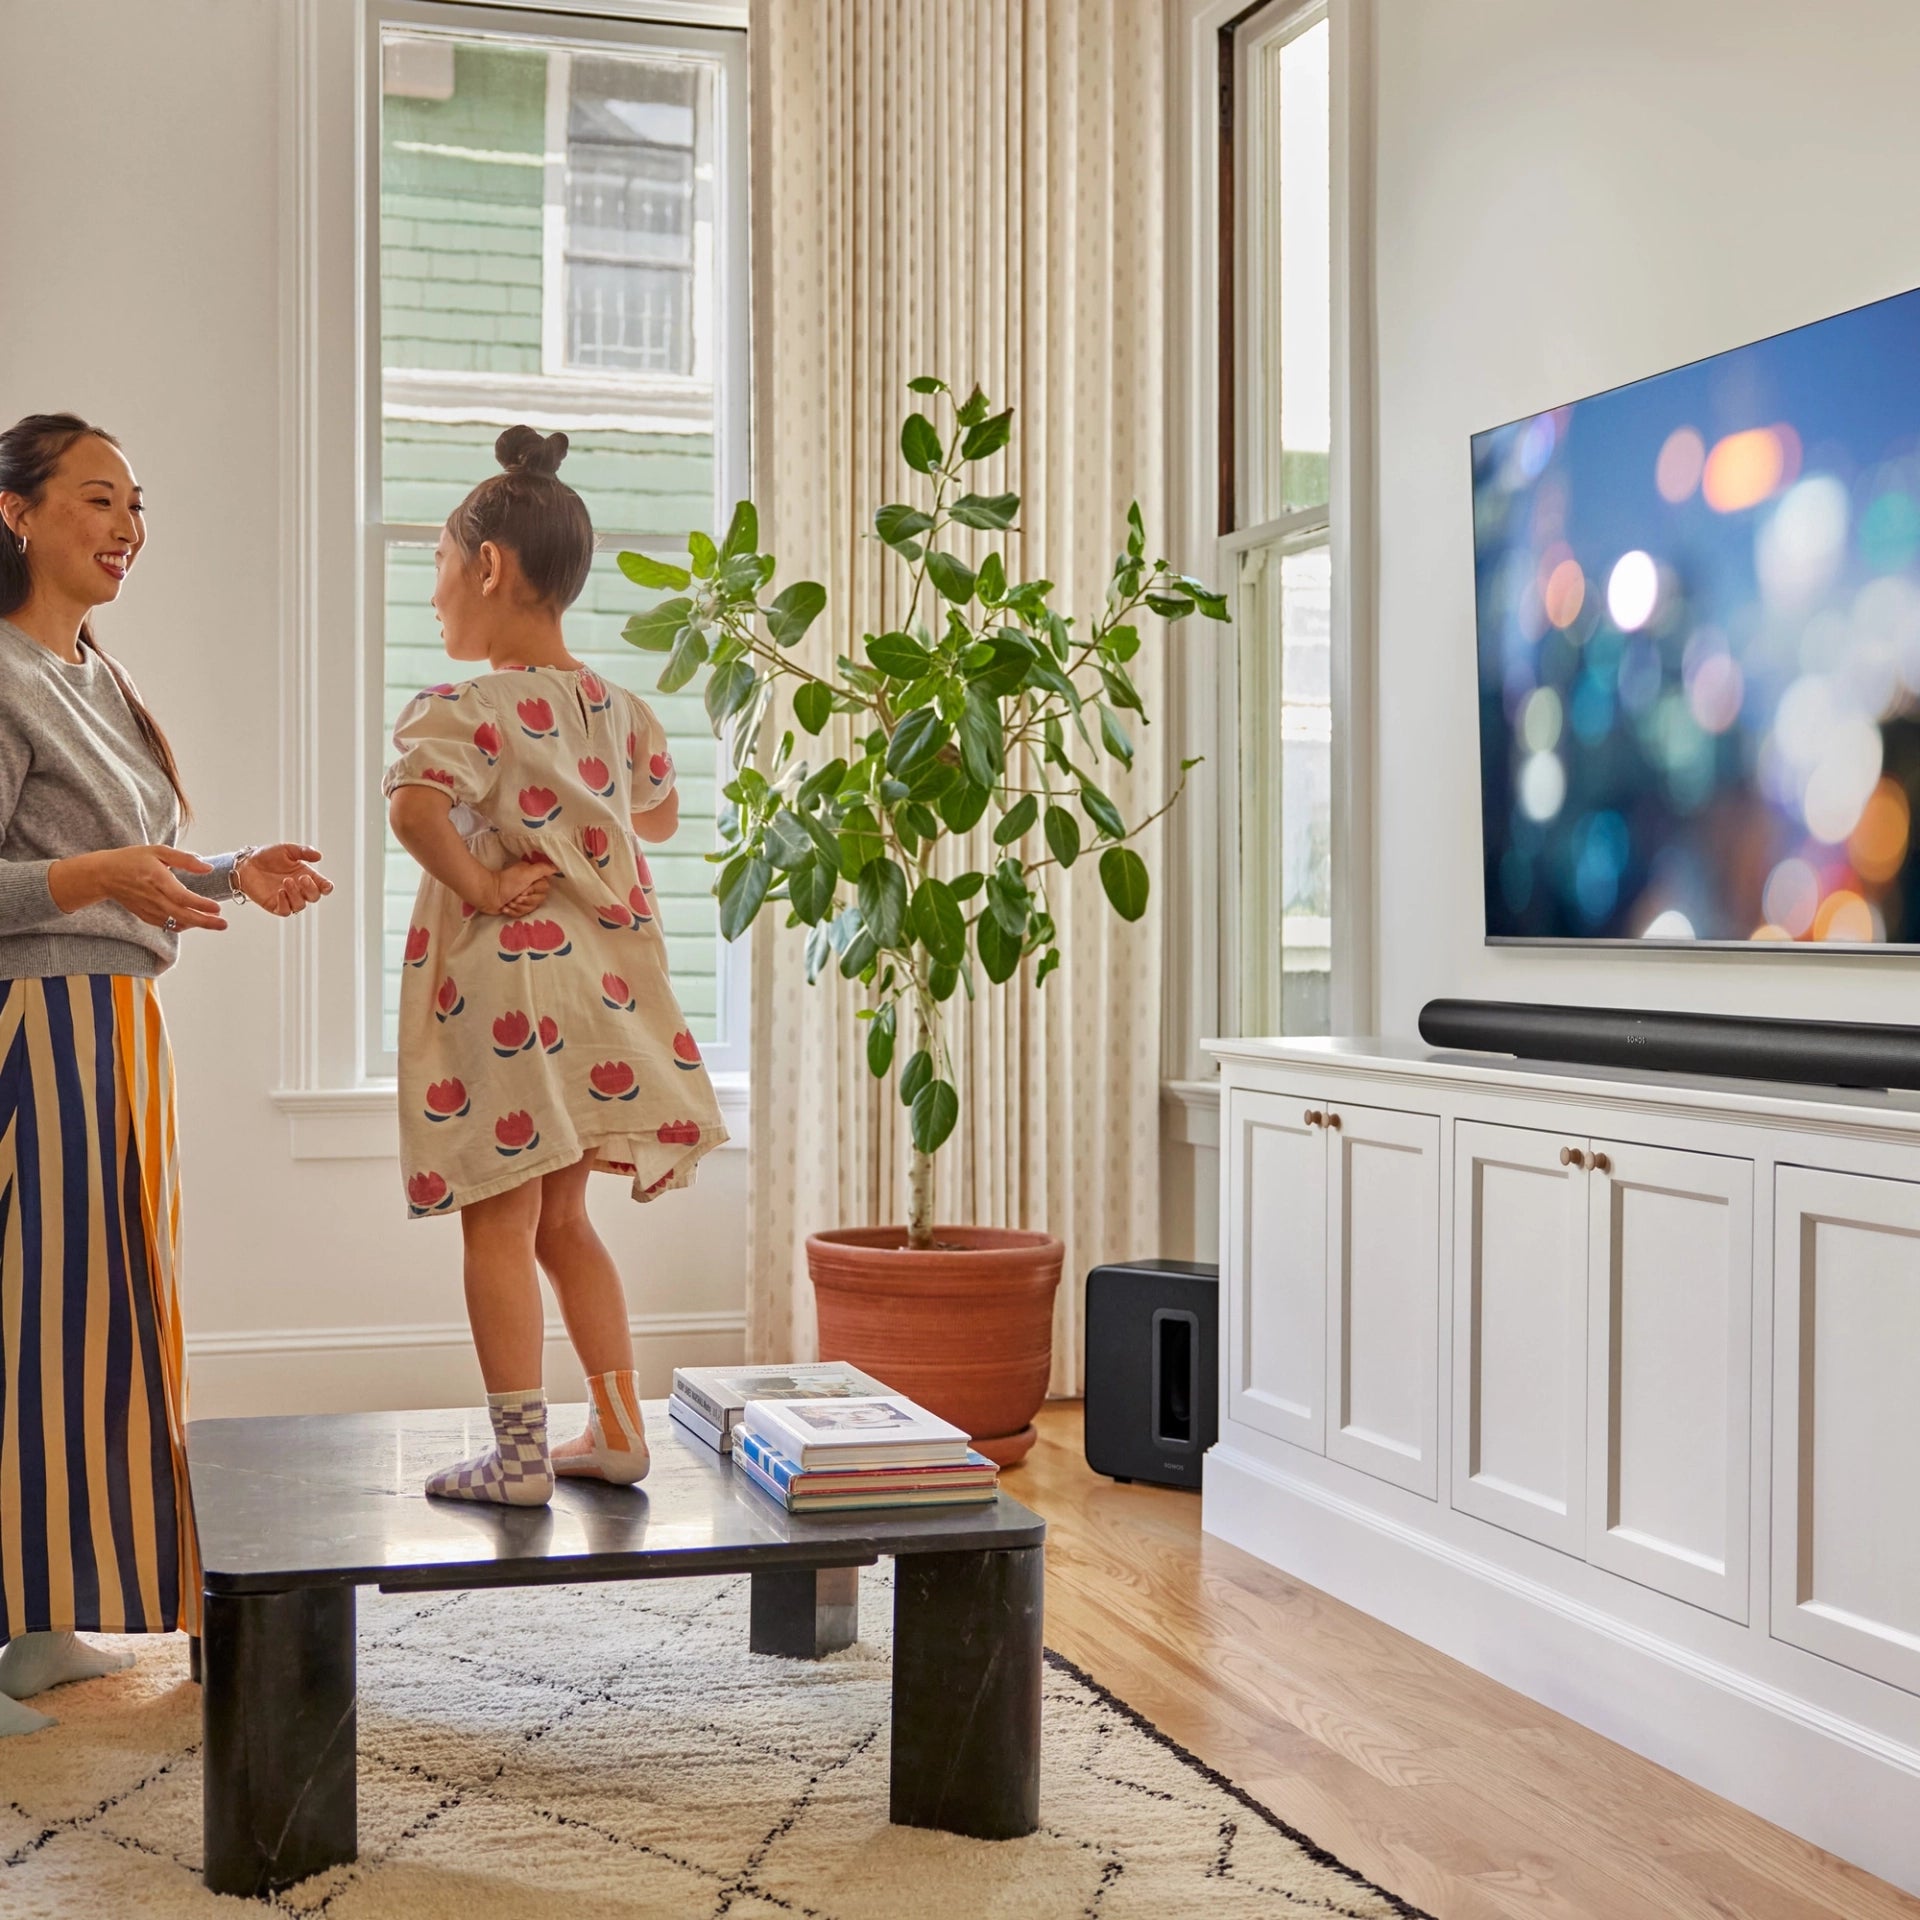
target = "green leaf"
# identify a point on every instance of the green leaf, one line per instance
(1017, 819)
(973, 409)
(826, 843)
(819, 952)
(751, 876)
(919, 736)
(1136, 531)
(883, 900)
(859, 841)
(813, 705)
(899, 655)
(810, 888)
(982, 739)
(1169, 608)
(999, 950)
(919, 444)
(704, 553)
(728, 690)
(1008, 900)
(1123, 643)
(897, 525)
(953, 577)
(966, 885)
(1115, 736)
(788, 841)
(991, 581)
(859, 953)
(645, 571)
(659, 627)
(880, 1042)
(989, 511)
(935, 1109)
(823, 782)
(941, 980)
(1121, 690)
(743, 533)
(915, 1074)
(926, 383)
(939, 921)
(1124, 875)
(922, 819)
(794, 610)
(988, 437)
(1063, 835)
(1101, 811)
(963, 803)
(688, 657)
(1048, 961)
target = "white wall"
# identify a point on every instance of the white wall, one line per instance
(139, 262)
(1570, 196)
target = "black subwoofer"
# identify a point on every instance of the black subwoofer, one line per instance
(1153, 1369)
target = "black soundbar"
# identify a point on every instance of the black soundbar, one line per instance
(1836, 1053)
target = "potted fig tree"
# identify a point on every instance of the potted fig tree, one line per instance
(985, 703)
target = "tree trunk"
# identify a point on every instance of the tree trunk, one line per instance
(920, 1201)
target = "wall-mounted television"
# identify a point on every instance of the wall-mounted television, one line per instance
(1698, 611)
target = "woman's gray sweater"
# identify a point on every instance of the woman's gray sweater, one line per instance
(76, 777)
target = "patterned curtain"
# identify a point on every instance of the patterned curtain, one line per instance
(971, 188)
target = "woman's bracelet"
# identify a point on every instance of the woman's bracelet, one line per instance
(233, 873)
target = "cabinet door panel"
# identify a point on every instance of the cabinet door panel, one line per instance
(1520, 1332)
(1276, 1213)
(1846, 1420)
(1670, 1285)
(1383, 1276)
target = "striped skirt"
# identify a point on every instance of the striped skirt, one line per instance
(96, 1526)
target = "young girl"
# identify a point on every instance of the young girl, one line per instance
(539, 1035)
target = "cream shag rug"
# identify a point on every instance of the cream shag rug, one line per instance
(580, 1752)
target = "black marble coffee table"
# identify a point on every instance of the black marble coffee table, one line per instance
(295, 1513)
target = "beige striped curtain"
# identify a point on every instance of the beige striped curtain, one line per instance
(971, 188)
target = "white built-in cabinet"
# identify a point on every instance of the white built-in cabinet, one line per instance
(1609, 1385)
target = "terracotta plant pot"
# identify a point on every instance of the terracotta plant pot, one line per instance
(965, 1329)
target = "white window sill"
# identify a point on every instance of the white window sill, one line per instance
(363, 1123)
(1190, 1111)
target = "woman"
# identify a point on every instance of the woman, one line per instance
(96, 1529)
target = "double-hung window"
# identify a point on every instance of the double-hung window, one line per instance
(560, 238)
(1276, 522)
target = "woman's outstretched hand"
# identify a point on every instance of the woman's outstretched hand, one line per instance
(282, 878)
(141, 879)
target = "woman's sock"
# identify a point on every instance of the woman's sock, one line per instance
(515, 1471)
(36, 1661)
(14, 1718)
(616, 1436)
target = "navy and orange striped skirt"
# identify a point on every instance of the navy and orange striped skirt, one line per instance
(96, 1525)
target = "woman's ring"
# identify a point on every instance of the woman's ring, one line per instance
(172, 925)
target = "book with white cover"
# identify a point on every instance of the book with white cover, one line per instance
(878, 1430)
(718, 1394)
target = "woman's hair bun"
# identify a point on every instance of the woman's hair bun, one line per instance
(528, 450)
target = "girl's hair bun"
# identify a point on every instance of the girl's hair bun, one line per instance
(528, 450)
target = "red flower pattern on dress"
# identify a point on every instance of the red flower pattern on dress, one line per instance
(595, 689)
(637, 900)
(595, 845)
(448, 1001)
(512, 1033)
(633, 747)
(486, 736)
(429, 1193)
(550, 1033)
(613, 1080)
(439, 776)
(447, 1100)
(536, 719)
(646, 872)
(442, 690)
(539, 807)
(537, 939)
(515, 1133)
(614, 917)
(595, 777)
(418, 941)
(679, 1133)
(686, 1054)
(660, 769)
(616, 993)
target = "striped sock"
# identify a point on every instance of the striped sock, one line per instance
(515, 1471)
(615, 1430)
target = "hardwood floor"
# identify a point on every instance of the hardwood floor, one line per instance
(1458, 1794)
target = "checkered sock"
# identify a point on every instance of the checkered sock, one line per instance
(515, 1471)
(616, 1431)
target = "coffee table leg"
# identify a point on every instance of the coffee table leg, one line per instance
(966, 1692)
(806, 1612)
(277, 1702)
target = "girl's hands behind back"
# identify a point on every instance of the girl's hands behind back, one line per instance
(520, 889)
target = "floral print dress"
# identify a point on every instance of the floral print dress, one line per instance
(525, 1044)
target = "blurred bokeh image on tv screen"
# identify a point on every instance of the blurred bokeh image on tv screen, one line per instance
(1698, 604)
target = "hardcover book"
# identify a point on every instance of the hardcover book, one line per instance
(974, 1471)
(847, 1502)
(876, 1430)
(719, 1394)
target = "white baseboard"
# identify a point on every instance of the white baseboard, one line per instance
(1845, 1786)
(355, 1369)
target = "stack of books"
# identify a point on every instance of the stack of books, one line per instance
(877, 1450)
(708, 1401)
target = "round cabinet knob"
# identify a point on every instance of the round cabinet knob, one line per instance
(1315, 1117)
(1601, 1164)
(1572, 1157)
(1333, 1120)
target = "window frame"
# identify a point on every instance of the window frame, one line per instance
(520, 397)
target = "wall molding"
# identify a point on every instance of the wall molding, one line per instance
(1191, 1112)
(282, 1342)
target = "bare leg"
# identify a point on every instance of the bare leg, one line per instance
(503, 1289)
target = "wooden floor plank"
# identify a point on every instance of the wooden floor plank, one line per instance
(1456, 1793)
